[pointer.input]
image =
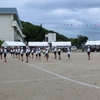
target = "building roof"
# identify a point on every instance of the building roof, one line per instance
(11, 11)
(38, 44)
(93, 42)
(61, 43)
(12, 43)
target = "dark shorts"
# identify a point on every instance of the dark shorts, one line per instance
(88, 53)
(27, 54)
(21, 55)
(68, 55)
(54, 52)
(5, 54)
(39, 54)
(36, 55)
(46, 54)
(32, 53)
(59, 52)
(1, 53)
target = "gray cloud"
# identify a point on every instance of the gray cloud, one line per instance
(55, 15)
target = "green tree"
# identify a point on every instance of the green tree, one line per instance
(1, 42)
(81, 40)
(78, 41)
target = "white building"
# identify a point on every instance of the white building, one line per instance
(50, 37)
(10, 25)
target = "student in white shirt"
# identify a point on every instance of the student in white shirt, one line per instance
(27, 53)
(37, 53)
(18, 52)
(88, 52)
(59, 53)
(47, 54)
(21, 53)
(1, 52)
(69, 52)
(13, 51)
(32, 52)
(5, 54)
(55, 53)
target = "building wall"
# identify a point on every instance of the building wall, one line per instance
(50, 37)
(9, 28)
(6, 28)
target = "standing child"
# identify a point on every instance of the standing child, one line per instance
(18, 52)
(27, 53)
(1, 52)
(39, 50)
(21, 53)
(32, 52)
(47, 54)
(59, 53)
(37, 53)
(55, 53)
(44, 52)
(88, 52)
(5, 54)
(69, 52)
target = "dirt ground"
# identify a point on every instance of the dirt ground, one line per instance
(74, 79)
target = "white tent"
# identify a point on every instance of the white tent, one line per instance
(61, 43)
(12, 43)
(38, 44)
(92, 43)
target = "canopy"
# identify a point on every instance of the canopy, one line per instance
(13, 43)
(38, 44)
(92, 43)
(61, 43)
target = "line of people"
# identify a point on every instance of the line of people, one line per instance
(18, 52)
(59, 52)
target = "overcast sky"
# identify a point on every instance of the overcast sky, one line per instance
(67, 17)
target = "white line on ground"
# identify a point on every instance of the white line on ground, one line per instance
(85, 84)
(17, 81)
(84, 76)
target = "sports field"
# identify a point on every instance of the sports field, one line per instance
(74, 79)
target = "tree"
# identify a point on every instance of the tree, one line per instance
(78, 41)
(81, 40)
(1, 42)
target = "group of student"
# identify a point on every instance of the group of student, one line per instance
(18, 52)
(88, 50)
(58, 50)
(29, 52)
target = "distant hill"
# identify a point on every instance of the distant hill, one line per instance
(37, 33)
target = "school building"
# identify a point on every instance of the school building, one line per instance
(10, 25)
